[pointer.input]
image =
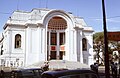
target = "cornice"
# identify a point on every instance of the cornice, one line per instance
(11, 24)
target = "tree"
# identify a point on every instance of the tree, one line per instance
(99, 36)
(98, 46)
(115, 46)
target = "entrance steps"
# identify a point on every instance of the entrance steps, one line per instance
(61, 64)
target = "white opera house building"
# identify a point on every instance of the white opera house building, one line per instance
(44, 35)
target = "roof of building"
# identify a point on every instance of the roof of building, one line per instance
(38, 14)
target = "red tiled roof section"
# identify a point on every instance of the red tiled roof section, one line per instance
(114, 36)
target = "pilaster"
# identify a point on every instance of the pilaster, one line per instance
(28, 44)
(81, 52)
(58, 49)
(79, 44)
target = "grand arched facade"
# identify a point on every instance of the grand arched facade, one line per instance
(46, 35)
(68, 22)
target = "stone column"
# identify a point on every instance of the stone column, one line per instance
(58, 47)
(81, 52)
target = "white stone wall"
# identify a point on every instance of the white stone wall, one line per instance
(88, 55)
(32, 26)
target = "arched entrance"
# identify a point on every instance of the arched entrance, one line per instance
(56, 38)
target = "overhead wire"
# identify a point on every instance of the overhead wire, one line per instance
(4, 13)
(113, 17)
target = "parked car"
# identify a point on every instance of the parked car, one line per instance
(5, 74)
(27, 73)
(78, 73)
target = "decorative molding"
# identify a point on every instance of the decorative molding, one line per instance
(78, 28)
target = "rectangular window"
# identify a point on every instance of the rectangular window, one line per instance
(53, 55)
(53, 38)
(62, 38)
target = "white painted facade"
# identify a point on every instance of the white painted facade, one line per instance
(33, 27)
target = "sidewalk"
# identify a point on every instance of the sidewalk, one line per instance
(101, 69)
(60, 64)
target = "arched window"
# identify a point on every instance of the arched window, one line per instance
(17, 41)
(1, 50)
(84, 44)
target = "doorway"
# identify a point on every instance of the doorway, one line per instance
(56, 38)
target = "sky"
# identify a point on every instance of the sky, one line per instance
(90, 10)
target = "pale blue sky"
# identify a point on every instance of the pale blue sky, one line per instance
(90, 10)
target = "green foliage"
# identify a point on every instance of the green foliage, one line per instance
(98, 46)
(99, 36)
(98, 39)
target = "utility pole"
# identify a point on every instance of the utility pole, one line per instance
(106, 53)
